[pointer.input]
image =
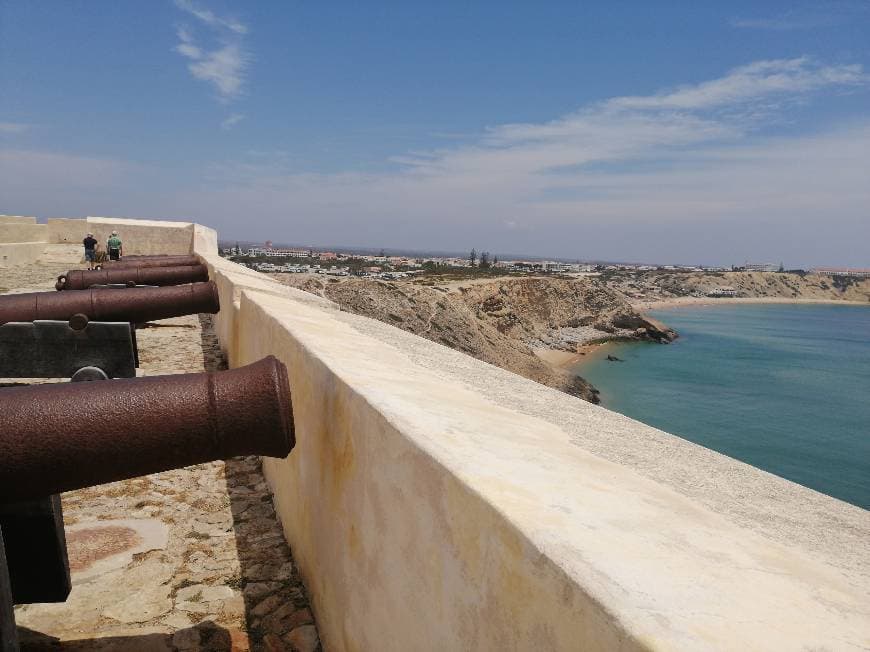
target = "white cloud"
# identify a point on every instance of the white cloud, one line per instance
(687, 175)
(752, 82)
(809, 15)
(225, 64)
(13, 127)
(231, 121)
(209, 18)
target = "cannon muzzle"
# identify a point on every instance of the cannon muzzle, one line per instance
(134, 304)
(81, 279)
(66, 436)
(168, 261)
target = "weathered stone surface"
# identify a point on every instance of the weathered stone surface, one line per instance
(273, 643)
(100, 546)
(266, 606)
(141, 606)
(303, 639)
(204, 593)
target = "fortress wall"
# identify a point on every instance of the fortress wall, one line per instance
(20, 253)
(23, 232)
(434, 501)
(17, 219)
(142, 237)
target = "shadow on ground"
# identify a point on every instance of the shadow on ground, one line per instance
(276, 604)
(203, 636)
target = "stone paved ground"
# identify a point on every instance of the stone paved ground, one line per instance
(192, 559)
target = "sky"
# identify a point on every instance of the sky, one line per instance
(706, 132)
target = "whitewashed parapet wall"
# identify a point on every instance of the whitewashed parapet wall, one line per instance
(435, 502)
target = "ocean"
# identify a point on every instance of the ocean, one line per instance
(785, 388)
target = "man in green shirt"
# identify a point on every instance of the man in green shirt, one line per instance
(114, 246)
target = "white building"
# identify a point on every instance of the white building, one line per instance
(760, 267)
(284, 253)
(842, 271)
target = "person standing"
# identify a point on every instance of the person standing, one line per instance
(114, 246)
(90, 243)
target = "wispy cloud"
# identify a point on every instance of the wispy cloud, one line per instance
(691, 174)
(231, 121)
(225, 64)
(13, 127)
(209, 18)
(810, 16)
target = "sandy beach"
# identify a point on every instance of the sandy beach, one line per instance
(567, 359)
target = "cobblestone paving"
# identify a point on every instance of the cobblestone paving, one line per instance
(192, 559)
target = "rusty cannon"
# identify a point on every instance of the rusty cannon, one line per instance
(81, 279)
(60, 437)
(130, 305)
(163, 261)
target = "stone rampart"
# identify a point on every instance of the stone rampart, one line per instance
(20, 253)
(23, 232)
(17, 219)
(434, 501)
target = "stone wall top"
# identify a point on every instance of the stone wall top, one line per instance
(17, 219)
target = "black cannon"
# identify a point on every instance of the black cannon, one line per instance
(81, 279)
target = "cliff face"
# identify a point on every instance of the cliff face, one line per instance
(663, 285)
(498, 321)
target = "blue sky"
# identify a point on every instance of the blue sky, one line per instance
(684, 132)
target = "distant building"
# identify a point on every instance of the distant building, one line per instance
(327, 255)
(842, 271)
(760, 267)
(285, 253)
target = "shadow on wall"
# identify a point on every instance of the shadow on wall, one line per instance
(276, 604)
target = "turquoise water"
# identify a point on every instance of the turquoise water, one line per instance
(785, 388)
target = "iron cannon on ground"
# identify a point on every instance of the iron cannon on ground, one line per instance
(60, 437)
(157, 261)
(131, 305)
(81, 279)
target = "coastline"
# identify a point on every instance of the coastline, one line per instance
(560, 359)
(680, 302)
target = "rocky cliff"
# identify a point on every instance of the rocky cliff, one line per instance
(498, 321)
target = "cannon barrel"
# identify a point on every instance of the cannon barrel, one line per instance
(174, 261)
(155, 256)
(133, 304)
(66, 436)
(81, 279)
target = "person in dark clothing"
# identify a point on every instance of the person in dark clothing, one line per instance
(90, 243)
